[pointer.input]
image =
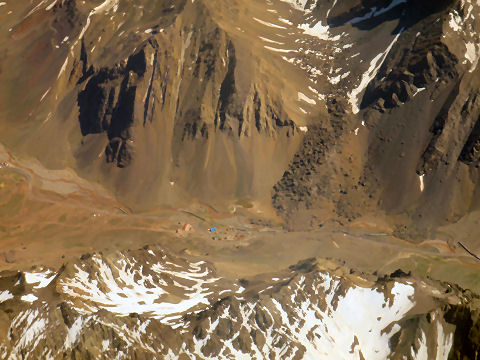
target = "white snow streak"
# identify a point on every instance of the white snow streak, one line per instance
(369, 75)
(5, 295)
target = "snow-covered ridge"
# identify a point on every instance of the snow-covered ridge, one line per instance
(156, 287)
(314, 312)
(315, 315)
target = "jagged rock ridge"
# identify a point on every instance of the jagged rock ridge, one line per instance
(147, 303)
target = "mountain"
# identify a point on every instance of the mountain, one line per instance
(144, 98)
(235, 139)
(146, 304)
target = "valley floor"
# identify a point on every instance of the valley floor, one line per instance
(51, 217)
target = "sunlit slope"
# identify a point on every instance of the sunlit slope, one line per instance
(334, 110)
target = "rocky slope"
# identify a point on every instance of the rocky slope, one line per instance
(157, 96)
(415, 110)
(148, 304)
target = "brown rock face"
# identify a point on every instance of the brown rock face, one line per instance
(420, 109)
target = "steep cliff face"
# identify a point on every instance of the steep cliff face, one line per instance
(438, 80)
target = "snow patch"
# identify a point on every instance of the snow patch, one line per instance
(374, 12)
(418, 91)
(472, 55)
(319, 30)
(5, 295)
(278, 50)
(50, 7)
(73, 333)
(301, 5)
(455, 21)
(270, 41)
(268, 24)
(303, 97)
(29, 298)
(41, 279)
